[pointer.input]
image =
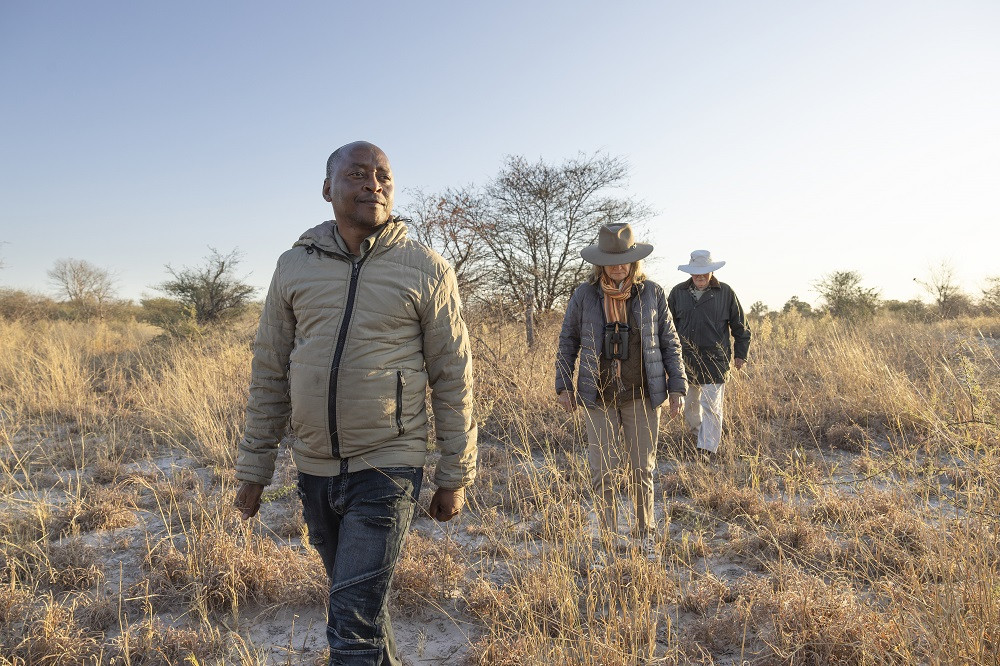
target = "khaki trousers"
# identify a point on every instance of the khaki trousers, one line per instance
(616, 435)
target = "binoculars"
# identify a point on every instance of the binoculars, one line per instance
(616, 341)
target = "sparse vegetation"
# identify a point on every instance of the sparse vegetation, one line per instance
(212, 292)
(850, 518)
(517, 239)
(844, 296)
(85, 286)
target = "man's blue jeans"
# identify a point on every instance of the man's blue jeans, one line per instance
(357, 521)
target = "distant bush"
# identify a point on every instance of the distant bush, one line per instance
(912, 310)
(798, 305)
(30, 306)
(175, 318)
(844, 296)
(212, 291)
(990, 301)
(20, 305)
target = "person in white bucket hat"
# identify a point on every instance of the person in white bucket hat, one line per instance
(713, 330)
(618, 325)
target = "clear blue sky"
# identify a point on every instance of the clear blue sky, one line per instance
(790, 138)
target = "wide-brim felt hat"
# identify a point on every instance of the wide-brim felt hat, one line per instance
(701, 263)
(615, 245)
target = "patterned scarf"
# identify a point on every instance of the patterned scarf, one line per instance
(615, 296)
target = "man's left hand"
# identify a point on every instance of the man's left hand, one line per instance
(447, 503)
(738, 363)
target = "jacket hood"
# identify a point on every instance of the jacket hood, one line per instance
(322, 237)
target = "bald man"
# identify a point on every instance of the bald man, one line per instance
(359, 320)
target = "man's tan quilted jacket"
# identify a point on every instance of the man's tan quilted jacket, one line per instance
(346, 349)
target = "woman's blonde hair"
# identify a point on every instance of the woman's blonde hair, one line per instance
(635, 270)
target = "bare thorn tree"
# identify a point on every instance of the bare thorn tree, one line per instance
(537, 217)
(212, 289)
(82, 283)
(449, 223)
(943, 287)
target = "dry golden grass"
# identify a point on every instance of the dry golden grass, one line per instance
(223, 565)
(428, 572)
(851, 517)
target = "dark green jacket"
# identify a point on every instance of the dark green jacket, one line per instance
(705, 327)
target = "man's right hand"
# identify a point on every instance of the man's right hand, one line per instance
(248, 499)
(567, 401)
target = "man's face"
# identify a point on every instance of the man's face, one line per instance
(360, 185)
(701, 281)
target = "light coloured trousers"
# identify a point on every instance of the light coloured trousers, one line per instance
(617, 435)
(703, 414)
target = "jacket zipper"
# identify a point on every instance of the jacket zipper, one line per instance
(338, 353)
(400, 383)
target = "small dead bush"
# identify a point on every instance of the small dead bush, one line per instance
(225, 565)
(847, 437)
(48, 634)
(98, 508)
(794, 537)
(801, 619)
(705, 595)
(427, 572)
(888, 545)
(97, 614)
(74, 565)
(153, 644)
(486, 600)
(727, 502)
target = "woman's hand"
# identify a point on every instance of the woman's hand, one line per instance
(567, 401)
(676, 404)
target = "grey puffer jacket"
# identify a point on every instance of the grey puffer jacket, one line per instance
(583, 335)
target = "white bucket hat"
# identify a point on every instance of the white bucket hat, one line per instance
(615, 245)
(701, 263)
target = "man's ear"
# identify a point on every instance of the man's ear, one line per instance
(326, 190)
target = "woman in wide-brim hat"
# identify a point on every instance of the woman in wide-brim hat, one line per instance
(618, 325)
